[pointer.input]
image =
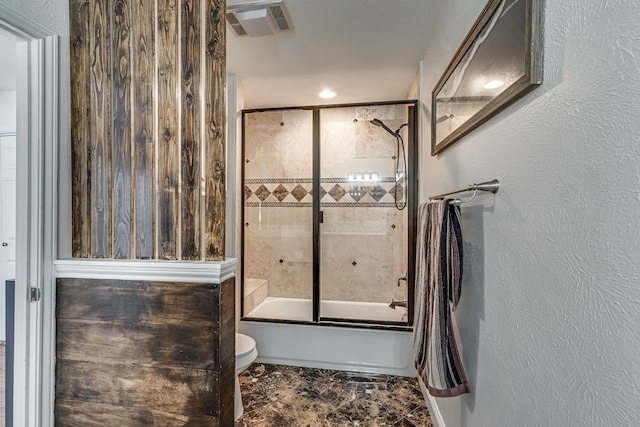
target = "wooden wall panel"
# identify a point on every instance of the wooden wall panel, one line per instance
(81, 140)
(136, 302)
(168, 132)
(226, 350)
(173, 390)
(144, 353)
(121, 142)
(191, 137)
(143, 133)
(100, 118)
(153, 83)
(81, 414)
(215, 123)
(139, 344)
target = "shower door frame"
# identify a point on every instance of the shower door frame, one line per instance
(412, 153)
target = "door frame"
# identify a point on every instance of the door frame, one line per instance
(37, 139)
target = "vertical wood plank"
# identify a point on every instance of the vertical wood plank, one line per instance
(80, 130)
(215, 122)
(121, 142)
(191, 139)
(125, 193)
(144, 159)
(167, 128)
(100, 117)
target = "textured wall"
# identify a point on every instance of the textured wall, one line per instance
(551, 303)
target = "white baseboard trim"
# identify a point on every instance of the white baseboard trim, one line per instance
(432, 405)
(162, 271)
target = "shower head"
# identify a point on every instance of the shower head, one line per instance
(378, 122)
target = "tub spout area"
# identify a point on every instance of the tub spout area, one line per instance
(395, 304)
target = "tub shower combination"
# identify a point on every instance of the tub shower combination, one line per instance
(327, 235)
(298, 309)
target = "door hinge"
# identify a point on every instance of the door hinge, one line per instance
(35, 294)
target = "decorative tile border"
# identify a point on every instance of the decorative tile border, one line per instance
(307, 180)
(358, 205)
(334, 192)
(277, 180)
(278, 205)
(348, 181)
(322, 205)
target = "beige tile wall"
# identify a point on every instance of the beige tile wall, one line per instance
(278, 240)
(283, 234)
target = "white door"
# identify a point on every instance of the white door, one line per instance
(7, 221)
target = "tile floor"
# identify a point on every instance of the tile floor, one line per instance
(285, 396)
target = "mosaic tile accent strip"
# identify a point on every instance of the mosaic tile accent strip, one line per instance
(358, 205)
(322, 205)
(357, 193)
(347, 180)
(322, 192)
(400, 192)
(278, 205)
(333, 192)
(281, 192)
(299, 192)
(337, 192)
(378, 193)
(262, 193)
(278, 180)
(306, 180)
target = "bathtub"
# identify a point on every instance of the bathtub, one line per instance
(301, 309)
(376, 351)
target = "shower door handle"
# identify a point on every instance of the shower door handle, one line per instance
(321, 217)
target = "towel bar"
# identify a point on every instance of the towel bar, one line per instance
(489, 186)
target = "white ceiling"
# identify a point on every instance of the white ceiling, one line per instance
(365, 50)
(8, 67)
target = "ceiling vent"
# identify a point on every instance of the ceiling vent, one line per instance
(258, 18)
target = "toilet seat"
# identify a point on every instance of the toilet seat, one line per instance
(246, 352)
(244, 344)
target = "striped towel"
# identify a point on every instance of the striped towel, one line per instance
(438, 287)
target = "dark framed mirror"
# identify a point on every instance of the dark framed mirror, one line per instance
(499, 61)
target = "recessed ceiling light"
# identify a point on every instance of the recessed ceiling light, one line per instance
(493, 84)
(327, 94)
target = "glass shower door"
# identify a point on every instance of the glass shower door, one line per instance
(277, 215)
(363, 230)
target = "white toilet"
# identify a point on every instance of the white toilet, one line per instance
(246, 353)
